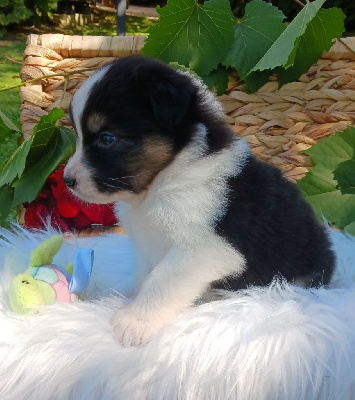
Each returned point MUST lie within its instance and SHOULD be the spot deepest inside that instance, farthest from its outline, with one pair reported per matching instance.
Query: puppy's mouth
(82, 196)
(99, 191)
(114, 185)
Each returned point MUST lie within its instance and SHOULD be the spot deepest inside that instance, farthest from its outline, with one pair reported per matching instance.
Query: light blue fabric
(83, 261)
(45, 273)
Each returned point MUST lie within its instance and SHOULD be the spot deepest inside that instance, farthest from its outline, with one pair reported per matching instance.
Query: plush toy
(44, 283)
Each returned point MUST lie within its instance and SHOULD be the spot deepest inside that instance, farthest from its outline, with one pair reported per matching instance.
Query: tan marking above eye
(95, 122)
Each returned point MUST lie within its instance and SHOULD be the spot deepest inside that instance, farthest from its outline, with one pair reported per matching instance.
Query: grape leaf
(324, 27)
(6, 123)
(9, 136)
(31, 149)
(282, 52)
(16, 164)
(299, 45)
(182, 68)
(329, 186)
(42, 134)
(26, 171)
(197, 36)
(345, 174)
(350, 228)
(60, 148)
(218, 80)
(261, 25)
(6, 196)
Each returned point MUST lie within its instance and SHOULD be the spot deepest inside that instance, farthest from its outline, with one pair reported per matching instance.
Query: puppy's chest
(151, 240)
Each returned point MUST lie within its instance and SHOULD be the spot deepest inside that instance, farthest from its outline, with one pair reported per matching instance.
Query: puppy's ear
(168, 93)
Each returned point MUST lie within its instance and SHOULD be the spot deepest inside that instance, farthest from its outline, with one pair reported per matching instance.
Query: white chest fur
(178, 253)
(181, 205)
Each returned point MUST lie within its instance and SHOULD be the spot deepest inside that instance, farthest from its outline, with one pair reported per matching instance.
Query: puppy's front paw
(132, 328)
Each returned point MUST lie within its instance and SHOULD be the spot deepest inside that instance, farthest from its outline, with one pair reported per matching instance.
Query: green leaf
(7, 129)
(32, 149)
(60, 148)
(25, 173)
(325, 26)
(6, 197)
(260, 27)
(16, 164)
(9, 136)
(194, 35)
(298, 46)
(283, 50)
(43, 132)
(183, 69)
(217, 80)
(329, 186)
(5, 121)
(345, 174)
(350, 228)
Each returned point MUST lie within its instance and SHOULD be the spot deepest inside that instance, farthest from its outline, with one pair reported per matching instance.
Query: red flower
(57, 203)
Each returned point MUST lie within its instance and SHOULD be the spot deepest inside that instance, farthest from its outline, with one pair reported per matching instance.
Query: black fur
(139, 96)
(266, 219)
(275, 230)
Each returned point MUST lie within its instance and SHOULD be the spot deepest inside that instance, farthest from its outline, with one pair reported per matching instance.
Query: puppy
(202, 212)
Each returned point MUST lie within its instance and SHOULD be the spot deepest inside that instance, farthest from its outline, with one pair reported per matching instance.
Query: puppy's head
(131, 117)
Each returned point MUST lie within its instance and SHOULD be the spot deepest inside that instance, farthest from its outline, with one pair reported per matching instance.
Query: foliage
(10, 103)
(291, 9)
(194, 35)
(348, 8)
(202, 37)
(9, 137)
(105, 25)
(12, 12)
(330, 184)
(25, 173)
(294, 48)
(41, 9)
(261, 26)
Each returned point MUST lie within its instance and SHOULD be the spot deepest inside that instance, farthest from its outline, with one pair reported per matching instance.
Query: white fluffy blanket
(276, 343)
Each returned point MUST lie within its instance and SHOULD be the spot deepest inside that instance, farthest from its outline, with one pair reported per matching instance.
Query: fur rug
(276, 343)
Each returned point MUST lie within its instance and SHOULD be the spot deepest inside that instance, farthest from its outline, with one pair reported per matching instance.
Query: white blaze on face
(84, 187)
(81, 96)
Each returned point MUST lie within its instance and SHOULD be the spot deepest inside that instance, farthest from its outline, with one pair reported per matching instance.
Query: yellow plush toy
(44, 283)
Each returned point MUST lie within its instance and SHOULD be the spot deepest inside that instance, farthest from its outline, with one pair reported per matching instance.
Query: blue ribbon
(83, 262)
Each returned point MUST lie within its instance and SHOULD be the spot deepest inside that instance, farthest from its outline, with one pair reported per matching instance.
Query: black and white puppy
(202, 212)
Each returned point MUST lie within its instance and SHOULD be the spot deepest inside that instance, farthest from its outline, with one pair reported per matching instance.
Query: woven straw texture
(277, 124)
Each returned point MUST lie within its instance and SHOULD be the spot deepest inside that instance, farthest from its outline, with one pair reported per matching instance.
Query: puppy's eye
(106, 139)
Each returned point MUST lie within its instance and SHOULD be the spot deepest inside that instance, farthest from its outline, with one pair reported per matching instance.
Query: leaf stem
(39, 78)
(299, 3)
(31, 65)
(66, 79)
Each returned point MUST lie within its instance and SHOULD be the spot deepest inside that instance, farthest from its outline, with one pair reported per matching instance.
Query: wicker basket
(277, 124)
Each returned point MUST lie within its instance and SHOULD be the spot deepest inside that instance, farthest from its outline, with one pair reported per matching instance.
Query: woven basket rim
(75, 46)
(111, 44)
(277, 123)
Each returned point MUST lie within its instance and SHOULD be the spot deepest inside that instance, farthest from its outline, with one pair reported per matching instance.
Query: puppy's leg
(181, 277)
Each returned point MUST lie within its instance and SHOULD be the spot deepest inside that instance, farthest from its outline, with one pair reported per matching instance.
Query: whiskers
(122, 177)
(120, 183)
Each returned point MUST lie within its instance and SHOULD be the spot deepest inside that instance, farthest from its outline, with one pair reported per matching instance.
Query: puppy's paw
(132, 328)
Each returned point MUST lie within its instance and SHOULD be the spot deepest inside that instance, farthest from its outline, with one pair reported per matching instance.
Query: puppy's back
(275, 229)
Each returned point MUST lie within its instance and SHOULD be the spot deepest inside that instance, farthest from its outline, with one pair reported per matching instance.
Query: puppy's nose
(69, 181)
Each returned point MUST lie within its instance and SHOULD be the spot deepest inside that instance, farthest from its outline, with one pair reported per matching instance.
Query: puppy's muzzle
(69, 181)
